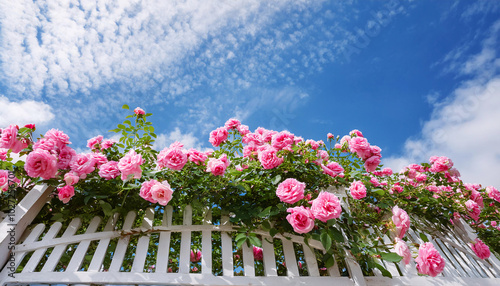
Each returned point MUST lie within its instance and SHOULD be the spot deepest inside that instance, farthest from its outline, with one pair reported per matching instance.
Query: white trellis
(42, 251)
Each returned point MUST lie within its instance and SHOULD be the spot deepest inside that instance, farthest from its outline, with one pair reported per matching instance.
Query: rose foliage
(336, 193)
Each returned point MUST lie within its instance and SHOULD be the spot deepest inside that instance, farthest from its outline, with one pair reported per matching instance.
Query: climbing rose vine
(335, 192)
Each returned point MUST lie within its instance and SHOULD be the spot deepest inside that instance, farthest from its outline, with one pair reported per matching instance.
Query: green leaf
(240, 242)
(383, 270)
(57, 216)
(379, 192)
(125, 107)
(106, 207)
(424, 237)
(265, 212)
(255, 241)
(391, 256)
(121, 126)
(241, 236)
(326, 240)
(276, 180)
(266, 225)
(127, 122)
(273, 232)
(337, 235)
(330, 261)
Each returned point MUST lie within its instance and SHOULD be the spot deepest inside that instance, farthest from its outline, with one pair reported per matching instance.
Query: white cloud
(24, 112)
(188, 139)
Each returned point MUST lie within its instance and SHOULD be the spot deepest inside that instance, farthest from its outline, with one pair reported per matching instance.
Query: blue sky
(418, 78)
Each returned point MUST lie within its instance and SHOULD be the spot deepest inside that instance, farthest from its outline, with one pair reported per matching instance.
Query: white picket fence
(44, 256)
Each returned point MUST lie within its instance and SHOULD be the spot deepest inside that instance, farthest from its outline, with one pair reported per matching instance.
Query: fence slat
(290, 259)
(143, 243)
(312, 263)
(100, 252)
(81, 250)
(227, 249)
(164, 243)
(37, 255)
(58, 250)
(121, 246)
(206, 244)
(34, 235)
(334, 270)
(248, 260)
(185, 252)
(268, 256)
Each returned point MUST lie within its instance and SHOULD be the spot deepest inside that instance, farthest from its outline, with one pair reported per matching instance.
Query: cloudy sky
(418, 78)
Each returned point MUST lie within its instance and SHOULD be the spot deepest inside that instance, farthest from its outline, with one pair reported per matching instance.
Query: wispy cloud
(24, 112)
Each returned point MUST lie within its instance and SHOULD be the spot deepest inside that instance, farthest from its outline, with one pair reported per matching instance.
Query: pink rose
(301, 219)
(474, 209)
(250, 150)
(3, 154)
(480, 249)
(70, 178)
(282, 140)
(65, 193)
(57, 136)
(493, 193)
(387, 171)
(8, 139)
(218, 136)
(232, 124)
(332, 169)
(30, 126)
(161, 193)
(46, 144)
(82, 165)
(109, 170)
(257, 253)
(440, 164)
(195, 255)
(290, 191)
(106, 144)
(401, 221)
(360, 146)
(139, 111)
(197, 157)
(99, 159)
(330, 136)
(326, 207)
(145, 191)
(173, 157)
(372, 163)
(4, 180)
(266, 135)
(314, 145)
(218, 166)
(402, 250)
(93, 142)
(269, 159)
(356, 132)
(130, 164)
(66, 154)
(358, 190)
(243, 130)
(429, 261)
(41, 163)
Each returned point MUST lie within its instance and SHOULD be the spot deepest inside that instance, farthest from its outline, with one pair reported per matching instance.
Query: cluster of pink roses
(356, 143)
(9, 140)
(156, 192)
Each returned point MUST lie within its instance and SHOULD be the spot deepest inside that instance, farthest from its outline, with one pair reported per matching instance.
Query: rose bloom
(71, 178)
(232, 123)
(250, 150)
(3, 154)
(30, 126)
(301, 219)
(218, 136)
(99, 159)
(197, 157)
(440, 164)
(145, 191)
(109, 170)
(45, 144)
(243, 130)
(92, 142)
(402, 250)
(257, 253)
(269, 158)
(387, 171)
(139, 111)
(372, 163)
(290, 191)
(218, 166)
(82, 165)
(195, 255)
(429, 261)
(330, 136)
(65, 193)
(401, 221)
(476, 196)
(8, 139)
(66, 154)
(40, 163)
(314, 145)
(161, 192)
(173, 157)
(326, 206)
(282, 140)
(493, 193)
(474, 209)
(480, 249)
(360, 146)
(130, 164)
(106, 144)
(4, 180)
(358, 190)
(58, 136)
(332, 169)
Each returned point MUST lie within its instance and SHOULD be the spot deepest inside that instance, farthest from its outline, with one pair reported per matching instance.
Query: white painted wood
(37, 255)
(226, 249)
(185, 251)
(24, 213)
(290, 259)
(248, 260)
(312, 263)
(334, 270)
(79, 255)
(58, 251)
(100, 252)
(164, 243)
(122, 244)
(268, 256)
(206, 244)
(143, 243)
